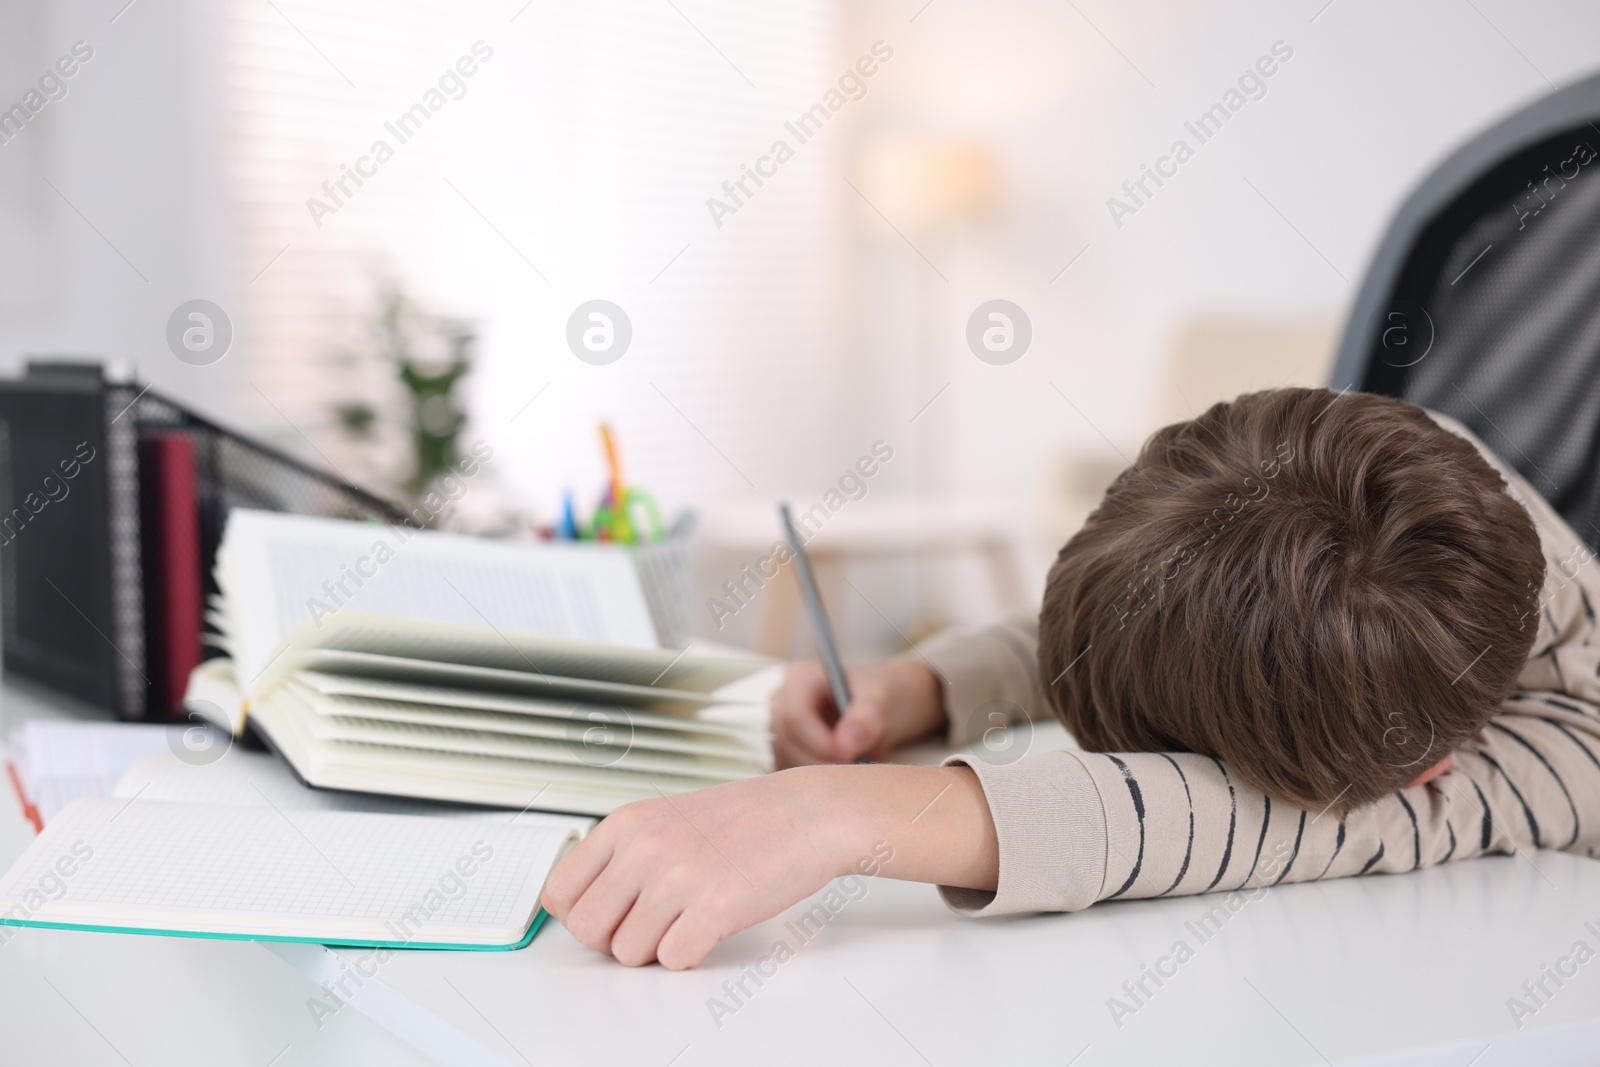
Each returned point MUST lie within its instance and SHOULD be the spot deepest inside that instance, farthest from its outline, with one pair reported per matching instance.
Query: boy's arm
(1176, 824)
(1179, 824)
(988, 676)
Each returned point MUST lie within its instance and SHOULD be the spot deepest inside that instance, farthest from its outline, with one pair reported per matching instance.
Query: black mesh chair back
(1483, 302)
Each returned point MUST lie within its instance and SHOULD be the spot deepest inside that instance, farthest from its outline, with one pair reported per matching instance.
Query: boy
(1331, 621)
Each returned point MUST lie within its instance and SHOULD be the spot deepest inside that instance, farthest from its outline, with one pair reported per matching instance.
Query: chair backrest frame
(1576, 105)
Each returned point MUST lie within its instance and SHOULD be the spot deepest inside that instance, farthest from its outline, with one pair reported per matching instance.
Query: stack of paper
(57, 762)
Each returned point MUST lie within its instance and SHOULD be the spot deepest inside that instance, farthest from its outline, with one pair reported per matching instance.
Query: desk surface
(1413, 969)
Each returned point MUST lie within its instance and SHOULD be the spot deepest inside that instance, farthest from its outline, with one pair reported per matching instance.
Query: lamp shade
(925, 184)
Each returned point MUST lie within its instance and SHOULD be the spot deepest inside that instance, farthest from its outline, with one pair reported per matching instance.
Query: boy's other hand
(891, 704)
(667, 878)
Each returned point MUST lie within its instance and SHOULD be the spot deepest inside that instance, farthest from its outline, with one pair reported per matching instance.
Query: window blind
(574, 163)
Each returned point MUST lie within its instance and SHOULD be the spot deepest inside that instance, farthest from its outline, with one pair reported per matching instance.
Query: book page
(241, 871)
(58, 762)
(467, 678)
(277, 571)
(498, 779)
(261, 780)
(464, 701)
(614, 752)
(589, 734)
(559, 659)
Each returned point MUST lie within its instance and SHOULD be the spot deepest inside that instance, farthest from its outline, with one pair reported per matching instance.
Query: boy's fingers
(801, 712)
(862, 727)
(594, 919)
(805, 688)
(576, 871)
(803, 729)
(636, 940)
(687, 942)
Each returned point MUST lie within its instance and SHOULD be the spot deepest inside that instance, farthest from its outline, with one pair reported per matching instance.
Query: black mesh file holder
(72, 587)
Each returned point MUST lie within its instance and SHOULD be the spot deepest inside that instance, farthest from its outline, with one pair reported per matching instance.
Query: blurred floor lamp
(929, 189)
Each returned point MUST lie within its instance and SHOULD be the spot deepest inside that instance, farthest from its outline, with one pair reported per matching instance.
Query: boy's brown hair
(1328, 593)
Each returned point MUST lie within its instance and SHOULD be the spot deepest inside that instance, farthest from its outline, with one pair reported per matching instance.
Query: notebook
(135, 865)
(55, 762)
(412, 663)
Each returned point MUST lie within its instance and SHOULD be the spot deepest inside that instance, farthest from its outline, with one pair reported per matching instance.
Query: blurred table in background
(863, 532)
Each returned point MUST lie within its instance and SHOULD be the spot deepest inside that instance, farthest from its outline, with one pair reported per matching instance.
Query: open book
(388, 660)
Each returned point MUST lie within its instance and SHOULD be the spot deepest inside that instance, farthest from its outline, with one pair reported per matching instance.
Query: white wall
(1374, 95)
(135, 147)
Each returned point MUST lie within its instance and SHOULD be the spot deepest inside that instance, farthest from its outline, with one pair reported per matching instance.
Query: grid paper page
(195, 866)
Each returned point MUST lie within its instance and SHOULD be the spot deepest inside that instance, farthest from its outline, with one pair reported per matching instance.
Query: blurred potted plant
(428, 357)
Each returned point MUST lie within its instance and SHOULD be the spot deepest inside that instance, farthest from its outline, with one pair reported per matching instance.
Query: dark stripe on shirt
(1416, 832)
(1376, 856)
(1488, 820)
(1525, 743)
(1451, 851)
(1300, 833)
(1338, 843)
(1233, 819)
(1527, 812)
(1266, 817)
(1138, 809)
(1577, 741)
(1188, 850)
(1564, 706)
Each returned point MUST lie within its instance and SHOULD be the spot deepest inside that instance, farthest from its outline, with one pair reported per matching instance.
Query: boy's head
(1329, 593)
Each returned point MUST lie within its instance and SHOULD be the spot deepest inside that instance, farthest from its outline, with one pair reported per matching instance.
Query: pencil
(827, 649)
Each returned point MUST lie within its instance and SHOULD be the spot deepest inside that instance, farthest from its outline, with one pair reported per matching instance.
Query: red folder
(173, 589)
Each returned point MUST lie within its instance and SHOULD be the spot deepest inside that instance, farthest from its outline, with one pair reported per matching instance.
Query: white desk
(1413, 969)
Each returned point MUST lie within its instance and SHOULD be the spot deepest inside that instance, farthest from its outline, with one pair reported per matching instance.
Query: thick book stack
(384, 659)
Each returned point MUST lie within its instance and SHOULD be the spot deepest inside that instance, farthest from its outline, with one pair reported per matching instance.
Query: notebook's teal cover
(533, 928)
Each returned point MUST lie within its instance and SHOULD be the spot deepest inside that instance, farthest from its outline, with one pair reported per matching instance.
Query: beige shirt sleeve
(1077, 827)
(989, 676)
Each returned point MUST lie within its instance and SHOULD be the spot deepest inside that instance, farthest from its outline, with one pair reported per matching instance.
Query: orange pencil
(620, 530)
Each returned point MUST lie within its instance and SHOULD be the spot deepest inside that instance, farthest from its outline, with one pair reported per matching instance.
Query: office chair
(1483, 301)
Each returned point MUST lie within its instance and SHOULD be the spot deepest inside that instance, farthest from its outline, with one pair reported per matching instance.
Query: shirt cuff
(988, 677)
(1051, 827)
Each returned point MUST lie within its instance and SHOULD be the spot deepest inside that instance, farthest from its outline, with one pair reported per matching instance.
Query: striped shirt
(1078, 827)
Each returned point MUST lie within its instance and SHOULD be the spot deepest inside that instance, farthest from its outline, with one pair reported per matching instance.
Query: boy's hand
(667, 878)
(891, 704)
